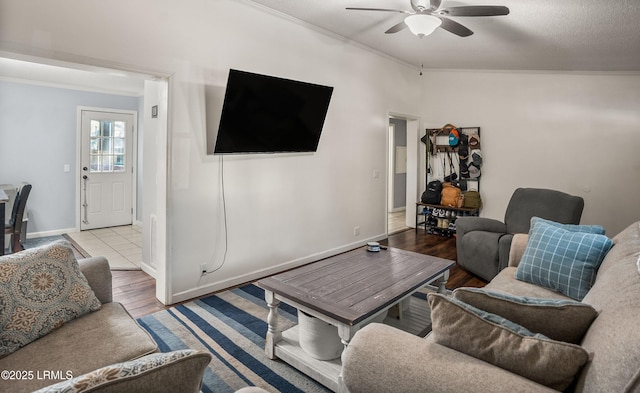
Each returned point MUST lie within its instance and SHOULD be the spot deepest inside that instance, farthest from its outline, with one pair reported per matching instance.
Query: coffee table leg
(442, 282)
(345, 332)
(273, 333)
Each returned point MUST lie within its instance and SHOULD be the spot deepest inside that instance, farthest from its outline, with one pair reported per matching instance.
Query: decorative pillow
(561, 259)
(503, 343)
(562, 320)
(40, 290)
(594, 229)
(142, 372)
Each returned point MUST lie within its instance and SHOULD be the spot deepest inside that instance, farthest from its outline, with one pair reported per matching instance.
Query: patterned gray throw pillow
(40, 290)
(183, 368)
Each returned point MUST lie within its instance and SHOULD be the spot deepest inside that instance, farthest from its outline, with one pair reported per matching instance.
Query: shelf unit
(440, 220)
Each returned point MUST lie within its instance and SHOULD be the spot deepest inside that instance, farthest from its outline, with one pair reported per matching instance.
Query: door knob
(84, 168)
(85, 177)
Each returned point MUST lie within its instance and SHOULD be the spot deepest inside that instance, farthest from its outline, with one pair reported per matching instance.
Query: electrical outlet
(356, 231)
(203, 268)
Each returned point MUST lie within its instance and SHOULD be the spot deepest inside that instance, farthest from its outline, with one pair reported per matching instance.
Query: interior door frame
(134, 159)
(414, 163)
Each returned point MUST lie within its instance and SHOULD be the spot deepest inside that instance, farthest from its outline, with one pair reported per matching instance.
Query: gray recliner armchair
(483, 243)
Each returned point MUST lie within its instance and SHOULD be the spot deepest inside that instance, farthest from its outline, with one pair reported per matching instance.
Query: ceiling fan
(428, 16)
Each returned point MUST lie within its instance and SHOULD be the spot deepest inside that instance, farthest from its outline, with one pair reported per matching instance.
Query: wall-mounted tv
(266, 114)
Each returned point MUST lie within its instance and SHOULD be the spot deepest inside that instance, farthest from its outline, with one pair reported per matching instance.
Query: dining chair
(14, 225)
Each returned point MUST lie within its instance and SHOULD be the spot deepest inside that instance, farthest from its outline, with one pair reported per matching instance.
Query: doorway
(403, 163)
(397, 189)
(107, 156)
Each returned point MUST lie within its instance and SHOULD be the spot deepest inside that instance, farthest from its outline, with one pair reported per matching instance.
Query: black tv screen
(266, 114)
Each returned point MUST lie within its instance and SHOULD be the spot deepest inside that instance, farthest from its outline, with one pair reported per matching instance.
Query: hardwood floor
(136, 290)
(438, 246)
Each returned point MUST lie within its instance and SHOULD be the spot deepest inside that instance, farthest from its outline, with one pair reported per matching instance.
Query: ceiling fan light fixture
(422, 24)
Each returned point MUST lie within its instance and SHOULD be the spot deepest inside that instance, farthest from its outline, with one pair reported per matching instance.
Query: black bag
(433, 193)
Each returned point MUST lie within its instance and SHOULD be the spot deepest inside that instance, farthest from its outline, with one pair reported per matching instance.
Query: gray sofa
(383, 359)
(96, 340)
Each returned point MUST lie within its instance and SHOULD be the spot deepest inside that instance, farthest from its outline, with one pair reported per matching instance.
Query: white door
(107, 169)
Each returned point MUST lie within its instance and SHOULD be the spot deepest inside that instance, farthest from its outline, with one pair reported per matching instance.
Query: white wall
(577, 133)
(281, 210)
(287, 209)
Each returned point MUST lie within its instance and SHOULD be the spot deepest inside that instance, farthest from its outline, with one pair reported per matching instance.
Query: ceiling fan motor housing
(422, 5)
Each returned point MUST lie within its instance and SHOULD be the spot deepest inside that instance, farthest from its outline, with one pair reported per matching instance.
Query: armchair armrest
(518, 245)
(468, 224)
(381, 359)
(98, 273)
(504, 249)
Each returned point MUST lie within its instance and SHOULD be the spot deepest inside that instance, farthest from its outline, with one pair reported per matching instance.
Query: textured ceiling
(567, 35)
(553, 35)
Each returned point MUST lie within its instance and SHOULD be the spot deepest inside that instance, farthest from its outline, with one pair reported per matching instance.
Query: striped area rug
(232, 326)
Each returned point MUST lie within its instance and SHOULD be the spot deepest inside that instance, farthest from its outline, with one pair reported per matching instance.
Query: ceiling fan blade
(378, 9)
(396, 28)
(454, 27)
(476, 10)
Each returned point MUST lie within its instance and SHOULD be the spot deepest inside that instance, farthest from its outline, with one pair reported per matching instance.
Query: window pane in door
(95, 163)
(107, 163)
(107, 128)
(95, 145)
(118, 163)
(118, 146)
(95, 128)
(119, 129)
(108, 146)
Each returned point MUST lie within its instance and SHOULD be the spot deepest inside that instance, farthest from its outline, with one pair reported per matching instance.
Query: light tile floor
(396, 222)
(122, 246)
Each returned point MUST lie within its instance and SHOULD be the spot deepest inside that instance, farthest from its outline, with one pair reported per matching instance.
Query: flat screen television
(266, 114)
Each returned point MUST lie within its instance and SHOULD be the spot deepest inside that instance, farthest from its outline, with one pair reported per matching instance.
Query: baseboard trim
(266, 272)
(34, 235)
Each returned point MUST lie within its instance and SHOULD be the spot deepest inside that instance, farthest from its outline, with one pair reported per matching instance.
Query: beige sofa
(383, 359)
(96, 340)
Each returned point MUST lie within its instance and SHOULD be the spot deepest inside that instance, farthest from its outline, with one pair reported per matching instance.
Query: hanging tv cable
(224, 215)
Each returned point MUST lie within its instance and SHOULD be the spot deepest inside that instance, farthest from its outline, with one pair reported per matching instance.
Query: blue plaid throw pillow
(595, 229)
(559, 258)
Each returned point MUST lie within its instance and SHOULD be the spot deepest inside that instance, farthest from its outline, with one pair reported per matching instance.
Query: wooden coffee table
(347, 291)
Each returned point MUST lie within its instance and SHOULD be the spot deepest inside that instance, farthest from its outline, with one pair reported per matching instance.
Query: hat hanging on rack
(476, 156)
(474, 141)
(474, 171)
(464, 169)
(463, 153)
(454, 137)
